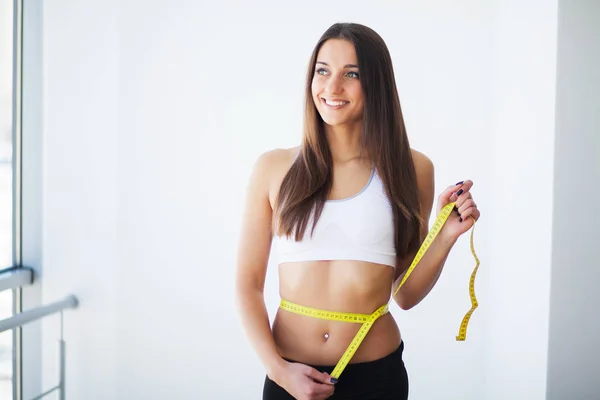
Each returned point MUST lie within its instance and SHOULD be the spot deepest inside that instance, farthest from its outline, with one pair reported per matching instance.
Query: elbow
(406, 305)
(245, 291)
(406, 302)
(241, 301)
(240, 294)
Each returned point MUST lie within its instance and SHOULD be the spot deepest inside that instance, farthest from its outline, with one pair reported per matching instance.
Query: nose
(334, 85)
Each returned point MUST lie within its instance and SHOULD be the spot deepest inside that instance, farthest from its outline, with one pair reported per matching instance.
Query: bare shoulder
(275, 163)
(276, 159)
(271, 167)
(423, 164)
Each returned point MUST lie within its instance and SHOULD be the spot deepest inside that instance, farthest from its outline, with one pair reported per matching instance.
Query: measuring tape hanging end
(462, 332)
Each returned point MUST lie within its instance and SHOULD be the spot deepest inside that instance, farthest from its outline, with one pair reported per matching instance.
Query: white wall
(574, 345)
(516, 303)
(80, 193)
(153, 116)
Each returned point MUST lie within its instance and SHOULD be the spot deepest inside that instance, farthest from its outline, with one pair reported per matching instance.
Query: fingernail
(460, 183)
(333, 380)
(460, 219)
(459, 192)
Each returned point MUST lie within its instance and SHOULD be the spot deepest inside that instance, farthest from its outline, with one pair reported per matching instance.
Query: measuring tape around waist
(367, 320)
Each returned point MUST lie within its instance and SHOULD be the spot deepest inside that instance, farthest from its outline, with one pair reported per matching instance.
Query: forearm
(255, 321)
(426, 274)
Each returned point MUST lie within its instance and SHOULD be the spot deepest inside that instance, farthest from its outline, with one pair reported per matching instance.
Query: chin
(338, 121)
(333, 121)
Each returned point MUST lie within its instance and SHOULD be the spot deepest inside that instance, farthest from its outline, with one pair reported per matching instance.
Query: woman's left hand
(460, 221)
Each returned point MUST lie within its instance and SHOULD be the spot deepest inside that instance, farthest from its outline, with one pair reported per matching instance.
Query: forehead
(337, 53)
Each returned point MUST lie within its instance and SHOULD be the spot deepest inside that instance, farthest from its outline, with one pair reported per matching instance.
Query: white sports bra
(360, 227)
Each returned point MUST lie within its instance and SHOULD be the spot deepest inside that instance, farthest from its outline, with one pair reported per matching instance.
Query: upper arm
(426, 185)
(256, 234)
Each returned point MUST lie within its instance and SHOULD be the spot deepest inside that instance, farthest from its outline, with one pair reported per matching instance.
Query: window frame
(17, 164)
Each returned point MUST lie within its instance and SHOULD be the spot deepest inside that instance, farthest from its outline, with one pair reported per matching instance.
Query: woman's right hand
(306, 383)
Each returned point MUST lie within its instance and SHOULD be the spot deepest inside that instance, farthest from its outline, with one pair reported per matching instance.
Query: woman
(347, 210)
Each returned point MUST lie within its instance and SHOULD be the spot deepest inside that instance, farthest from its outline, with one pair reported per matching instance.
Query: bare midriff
(343, 286)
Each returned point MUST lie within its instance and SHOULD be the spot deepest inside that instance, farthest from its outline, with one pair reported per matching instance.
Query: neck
(344, 142)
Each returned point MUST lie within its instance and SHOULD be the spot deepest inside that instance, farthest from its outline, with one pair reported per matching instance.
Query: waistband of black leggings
(390, 358)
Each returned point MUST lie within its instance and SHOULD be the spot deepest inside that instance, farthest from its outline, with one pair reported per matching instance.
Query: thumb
(321, 377)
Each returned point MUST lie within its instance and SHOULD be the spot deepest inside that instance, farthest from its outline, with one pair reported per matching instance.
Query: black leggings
(383, 379)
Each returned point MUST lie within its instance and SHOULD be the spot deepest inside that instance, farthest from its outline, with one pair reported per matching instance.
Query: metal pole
(37, 313)
(17, 234)
(61, 367)
(61, 372)
(62, 360)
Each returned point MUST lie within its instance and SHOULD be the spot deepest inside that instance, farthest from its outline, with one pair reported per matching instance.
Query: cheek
(315, 88)
(358, 97)
(357, 92)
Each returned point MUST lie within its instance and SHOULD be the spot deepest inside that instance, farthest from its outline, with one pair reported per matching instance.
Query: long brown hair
(308, 182)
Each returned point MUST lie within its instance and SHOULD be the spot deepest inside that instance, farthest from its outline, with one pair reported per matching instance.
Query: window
(6, 188)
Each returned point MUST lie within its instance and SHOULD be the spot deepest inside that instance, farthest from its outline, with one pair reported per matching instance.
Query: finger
(470, 212)
(462, 197)
(329, 393)
(452, 193)
(465, 205)
(467, 185)
(319, 390)
(320, 377)
(446, 196)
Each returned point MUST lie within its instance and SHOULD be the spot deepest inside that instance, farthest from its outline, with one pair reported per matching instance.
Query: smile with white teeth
(333, 103)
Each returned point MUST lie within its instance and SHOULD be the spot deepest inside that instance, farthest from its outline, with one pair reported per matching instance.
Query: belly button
(326, 336)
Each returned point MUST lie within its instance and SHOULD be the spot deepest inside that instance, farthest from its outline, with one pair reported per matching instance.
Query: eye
(321, 71)
(353, 74)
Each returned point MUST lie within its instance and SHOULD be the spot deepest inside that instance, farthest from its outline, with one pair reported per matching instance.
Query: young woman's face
(336, 89)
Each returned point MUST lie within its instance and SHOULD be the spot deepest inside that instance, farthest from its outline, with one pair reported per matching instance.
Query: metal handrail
(40, 312)
(37, 313)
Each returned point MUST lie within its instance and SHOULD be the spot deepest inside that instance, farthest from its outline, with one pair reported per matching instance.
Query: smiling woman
(336, 89)
(347, 211)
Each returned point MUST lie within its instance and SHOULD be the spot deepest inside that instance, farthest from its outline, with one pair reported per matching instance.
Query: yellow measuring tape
(367, 320)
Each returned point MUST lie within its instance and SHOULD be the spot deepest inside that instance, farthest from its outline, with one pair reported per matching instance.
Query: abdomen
(344, 286)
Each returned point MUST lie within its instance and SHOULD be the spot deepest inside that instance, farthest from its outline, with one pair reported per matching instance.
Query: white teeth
(335, 103)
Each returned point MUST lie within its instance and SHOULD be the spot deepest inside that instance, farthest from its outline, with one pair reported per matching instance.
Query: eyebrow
(345, 66)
